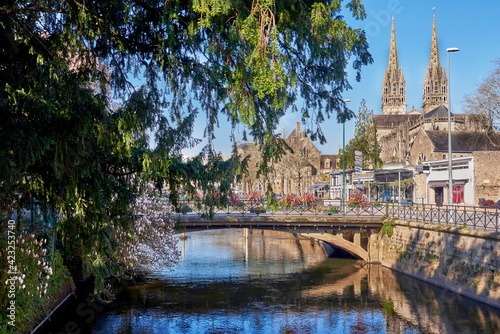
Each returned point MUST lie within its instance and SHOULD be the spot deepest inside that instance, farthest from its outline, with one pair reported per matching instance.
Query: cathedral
(398, 128)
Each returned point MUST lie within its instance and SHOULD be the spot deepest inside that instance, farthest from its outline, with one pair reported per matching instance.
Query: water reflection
(240, 281)
(225, 255)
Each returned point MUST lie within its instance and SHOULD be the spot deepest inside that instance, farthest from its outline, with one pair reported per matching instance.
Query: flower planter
(184, 209)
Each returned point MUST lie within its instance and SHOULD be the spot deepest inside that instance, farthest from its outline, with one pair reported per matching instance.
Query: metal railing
(459, 216)
(245, 207)
(456, 215)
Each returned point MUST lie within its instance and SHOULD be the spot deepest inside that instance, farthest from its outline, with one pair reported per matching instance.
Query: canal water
(254, 281)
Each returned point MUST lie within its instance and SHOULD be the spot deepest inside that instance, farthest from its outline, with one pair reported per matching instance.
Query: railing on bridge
(456, 215)
(245, 207)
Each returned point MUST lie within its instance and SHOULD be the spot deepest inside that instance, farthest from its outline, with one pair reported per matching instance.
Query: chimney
(297, 128)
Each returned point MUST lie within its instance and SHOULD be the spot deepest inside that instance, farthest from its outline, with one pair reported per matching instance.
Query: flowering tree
(41, 277)
(148, 242)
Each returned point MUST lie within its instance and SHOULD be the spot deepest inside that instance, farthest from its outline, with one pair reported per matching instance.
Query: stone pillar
(357, 238)
(373, 248)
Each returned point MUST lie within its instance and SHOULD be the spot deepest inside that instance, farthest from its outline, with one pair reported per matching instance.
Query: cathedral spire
(394, 86)
(393, 52)
(435, 81)
(434, 57)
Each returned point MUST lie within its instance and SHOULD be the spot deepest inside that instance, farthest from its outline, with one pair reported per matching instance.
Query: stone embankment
(463, 260)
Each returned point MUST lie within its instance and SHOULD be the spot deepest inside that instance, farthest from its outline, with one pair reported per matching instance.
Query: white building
(463, 181)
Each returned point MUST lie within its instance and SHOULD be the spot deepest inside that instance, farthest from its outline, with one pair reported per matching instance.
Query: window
(421, 158)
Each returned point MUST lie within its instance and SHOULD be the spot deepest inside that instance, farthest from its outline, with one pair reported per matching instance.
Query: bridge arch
(335, 241)
(338, 241)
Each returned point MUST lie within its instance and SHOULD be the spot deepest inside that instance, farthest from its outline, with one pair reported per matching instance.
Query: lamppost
(450, 178)
(343, 160)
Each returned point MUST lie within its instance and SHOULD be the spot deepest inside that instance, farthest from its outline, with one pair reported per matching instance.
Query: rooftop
(463, 141)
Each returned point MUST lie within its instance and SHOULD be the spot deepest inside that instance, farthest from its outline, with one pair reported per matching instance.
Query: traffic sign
(358, 161)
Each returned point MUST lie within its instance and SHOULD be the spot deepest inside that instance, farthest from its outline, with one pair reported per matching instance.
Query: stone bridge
(327, 229)
(350, 230)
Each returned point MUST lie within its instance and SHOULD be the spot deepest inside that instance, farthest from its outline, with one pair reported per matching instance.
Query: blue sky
(473, 27)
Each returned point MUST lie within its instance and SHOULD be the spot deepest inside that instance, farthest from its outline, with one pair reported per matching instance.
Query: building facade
(297, 172)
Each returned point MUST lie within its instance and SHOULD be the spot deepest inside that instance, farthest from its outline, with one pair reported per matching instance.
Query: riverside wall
(463, 260)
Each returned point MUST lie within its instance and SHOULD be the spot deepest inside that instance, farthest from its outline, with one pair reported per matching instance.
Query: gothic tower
(435, 81)
(393, 87)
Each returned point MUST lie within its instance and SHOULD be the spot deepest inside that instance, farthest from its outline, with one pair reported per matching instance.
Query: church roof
(332, 157)
(246, 146)
(462, 141)
(440, 112)
(394, 120)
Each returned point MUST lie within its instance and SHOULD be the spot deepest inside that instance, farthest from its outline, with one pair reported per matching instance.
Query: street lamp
(450, 178)
(343, 160)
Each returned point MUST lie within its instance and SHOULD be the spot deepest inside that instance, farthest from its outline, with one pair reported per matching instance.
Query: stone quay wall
(463, 260)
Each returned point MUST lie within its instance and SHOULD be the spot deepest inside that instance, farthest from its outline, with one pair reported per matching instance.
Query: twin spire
(435, 81)
(394, 87)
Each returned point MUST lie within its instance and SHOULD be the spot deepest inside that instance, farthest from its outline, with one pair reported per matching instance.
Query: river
(254, 281)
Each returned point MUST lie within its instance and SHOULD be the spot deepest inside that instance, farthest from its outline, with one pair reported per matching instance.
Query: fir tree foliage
(365, 141)
(64, 64)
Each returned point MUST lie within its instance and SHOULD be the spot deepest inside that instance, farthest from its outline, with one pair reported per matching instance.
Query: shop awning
(444, 183)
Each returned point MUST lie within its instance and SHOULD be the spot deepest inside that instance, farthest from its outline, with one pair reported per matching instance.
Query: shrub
(259, 208)
(332, 209)
(255, 196)
(289, 200)
(39, 282)
(488, 203)
(235, 200)
(357, 200)
(198, 196)
(307, 199)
